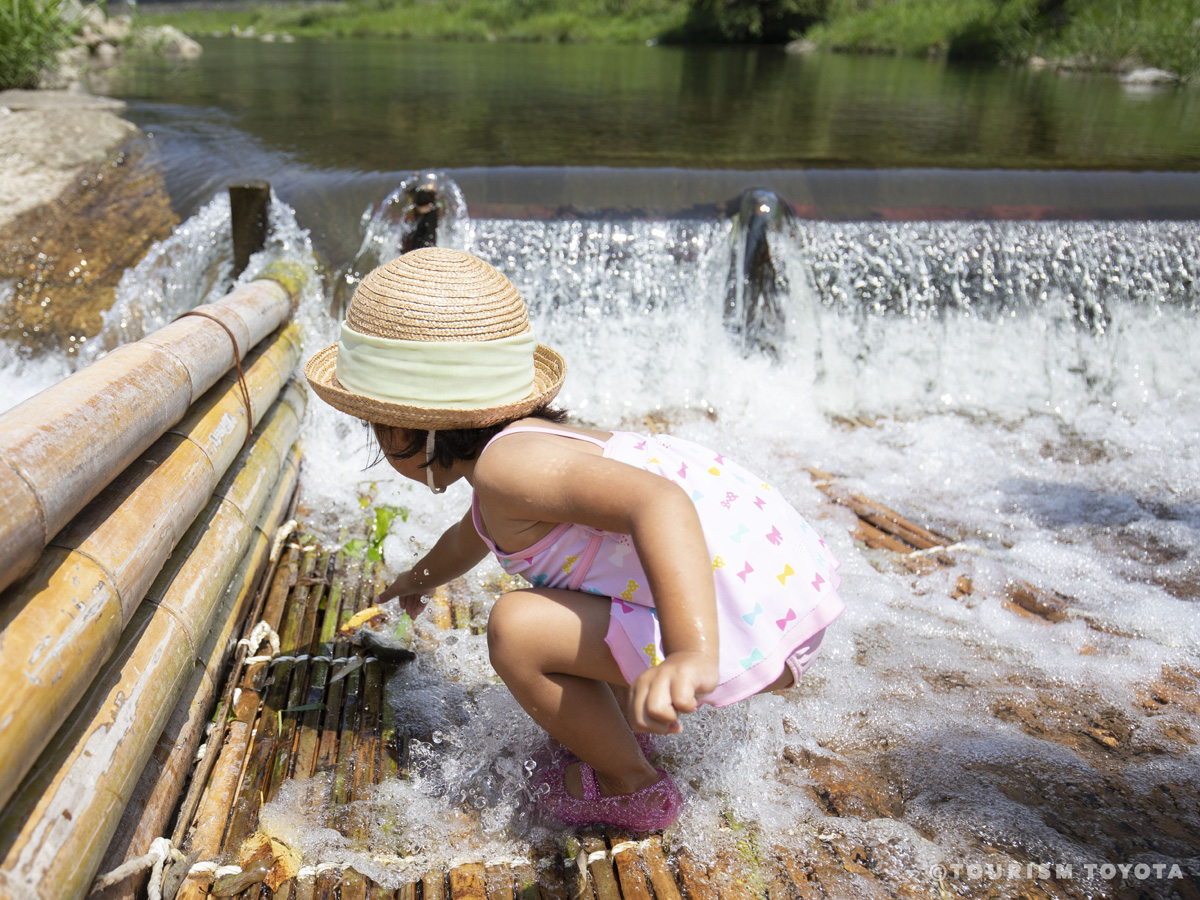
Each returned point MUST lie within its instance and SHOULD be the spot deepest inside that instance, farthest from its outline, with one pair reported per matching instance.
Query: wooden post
(248, 207)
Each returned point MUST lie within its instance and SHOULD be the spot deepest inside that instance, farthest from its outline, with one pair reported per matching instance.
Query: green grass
(598, 21)
(1102, 34)
(1105, 34)
(31, 34)
(968, 28)
(1115, 34)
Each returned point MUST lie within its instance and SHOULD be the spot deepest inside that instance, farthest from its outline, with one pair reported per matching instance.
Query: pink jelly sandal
(652, 808)
(552, 751)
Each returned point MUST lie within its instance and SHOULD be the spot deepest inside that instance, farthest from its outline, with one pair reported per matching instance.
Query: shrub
(31, 34)
(751, 21)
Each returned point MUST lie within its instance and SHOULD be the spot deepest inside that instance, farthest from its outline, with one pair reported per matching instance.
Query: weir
(960, 407)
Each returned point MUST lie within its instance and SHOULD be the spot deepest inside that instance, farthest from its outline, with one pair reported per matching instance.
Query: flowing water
(1026, 388)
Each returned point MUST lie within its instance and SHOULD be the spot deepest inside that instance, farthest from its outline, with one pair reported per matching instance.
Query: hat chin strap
(429, 464)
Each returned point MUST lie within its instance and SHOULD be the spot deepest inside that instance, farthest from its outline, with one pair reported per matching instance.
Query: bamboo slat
(604, 879)
(499, 882)
(660, 875)
(694, 879)
(158, 790)
(630, 873)
(467, 882)
(54, 832)
(433, 886)
(61, 447)
(72, 607)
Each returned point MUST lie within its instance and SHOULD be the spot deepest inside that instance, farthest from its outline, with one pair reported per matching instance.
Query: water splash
(426, 209)
(192, 267)
(1027, 387)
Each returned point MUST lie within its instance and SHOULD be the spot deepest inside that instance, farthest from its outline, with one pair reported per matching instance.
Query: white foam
(1032, 393)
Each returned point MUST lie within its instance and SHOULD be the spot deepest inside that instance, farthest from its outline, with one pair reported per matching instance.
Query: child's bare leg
(548, 646)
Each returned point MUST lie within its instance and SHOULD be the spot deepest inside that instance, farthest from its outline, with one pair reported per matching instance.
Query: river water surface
(1028, 388)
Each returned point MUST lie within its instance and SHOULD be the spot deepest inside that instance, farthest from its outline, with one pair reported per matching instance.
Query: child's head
(436, 340)
(449, 445)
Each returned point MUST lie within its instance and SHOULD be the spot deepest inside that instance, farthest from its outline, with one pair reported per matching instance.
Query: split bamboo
(55, 830)
(161, 783)
(60, 448)
(62, 621)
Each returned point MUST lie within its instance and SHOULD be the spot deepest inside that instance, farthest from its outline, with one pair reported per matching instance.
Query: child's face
(391, 441)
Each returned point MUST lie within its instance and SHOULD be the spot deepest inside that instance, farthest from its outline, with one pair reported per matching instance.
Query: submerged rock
(77, 208)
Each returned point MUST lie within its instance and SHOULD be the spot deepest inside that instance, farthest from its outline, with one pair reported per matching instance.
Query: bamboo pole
(694, 878)
(60, 623)
(61, 447)
(631, 874)
(433, 885)
(467, 882)
(157, 791)
(660, 875)
(54, 832)
(604, 879)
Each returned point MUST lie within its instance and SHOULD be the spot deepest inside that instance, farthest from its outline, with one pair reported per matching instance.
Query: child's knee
(508, 627)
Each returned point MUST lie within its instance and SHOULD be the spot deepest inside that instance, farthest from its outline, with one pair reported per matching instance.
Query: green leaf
(304, 707)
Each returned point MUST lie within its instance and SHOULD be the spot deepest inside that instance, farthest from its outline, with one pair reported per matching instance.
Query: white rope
(281, 535)
(938, 548)
(304, 657)
(154, 859)
(259, 633)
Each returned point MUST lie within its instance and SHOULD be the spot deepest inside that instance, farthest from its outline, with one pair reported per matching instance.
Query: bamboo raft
(163, 578)
(316, 708)
(138, 497)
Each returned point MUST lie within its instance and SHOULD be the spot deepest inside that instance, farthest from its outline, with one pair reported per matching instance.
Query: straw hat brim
(549, 370)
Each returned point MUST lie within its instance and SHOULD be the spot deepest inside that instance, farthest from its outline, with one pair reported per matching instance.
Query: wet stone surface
(61, 262)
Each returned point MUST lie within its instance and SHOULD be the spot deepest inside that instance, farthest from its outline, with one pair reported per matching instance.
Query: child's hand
(411, 601)
(662, 692)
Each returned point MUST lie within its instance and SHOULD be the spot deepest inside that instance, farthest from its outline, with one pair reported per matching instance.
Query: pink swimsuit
(776, 581)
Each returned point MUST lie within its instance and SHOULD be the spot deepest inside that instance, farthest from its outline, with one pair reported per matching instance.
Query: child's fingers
(658, 696)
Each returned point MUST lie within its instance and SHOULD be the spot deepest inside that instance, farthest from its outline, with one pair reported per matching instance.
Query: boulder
(1148, 75)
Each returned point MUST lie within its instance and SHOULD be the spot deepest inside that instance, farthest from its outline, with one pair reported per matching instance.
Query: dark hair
(455, 444)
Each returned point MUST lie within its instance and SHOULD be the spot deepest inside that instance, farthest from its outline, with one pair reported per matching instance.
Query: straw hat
(436, 339)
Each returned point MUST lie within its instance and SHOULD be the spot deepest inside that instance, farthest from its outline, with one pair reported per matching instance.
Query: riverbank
(1103, 35)
(80, 202)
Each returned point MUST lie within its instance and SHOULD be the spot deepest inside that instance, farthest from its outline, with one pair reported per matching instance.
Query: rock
(20, 101)
(105, 54)
(1147, 76)
(1036, 62)
(169, 41)
(801, 46)
(116, 30)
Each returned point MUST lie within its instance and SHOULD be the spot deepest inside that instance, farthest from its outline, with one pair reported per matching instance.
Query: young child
(663, 574)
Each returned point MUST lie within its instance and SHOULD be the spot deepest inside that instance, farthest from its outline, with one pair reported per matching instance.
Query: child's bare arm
(456, 552)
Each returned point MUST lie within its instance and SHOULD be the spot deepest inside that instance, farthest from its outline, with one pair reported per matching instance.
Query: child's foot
(552, 751)
(652, 808)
